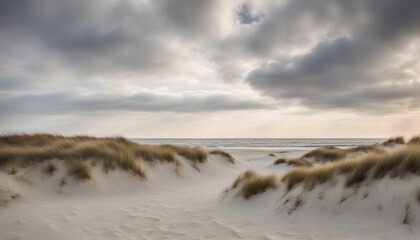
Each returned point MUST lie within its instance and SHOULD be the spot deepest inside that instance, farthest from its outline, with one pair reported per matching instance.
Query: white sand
(191, 205)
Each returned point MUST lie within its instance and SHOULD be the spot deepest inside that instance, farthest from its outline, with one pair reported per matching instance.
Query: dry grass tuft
(224, 154)
(318, 176)
(279, 161)
(271, 155)
(418, 194)
(365, 149)
(112, 152)
(294, 178)
(252, 183)
(407, 215)
(375, 165)
(394, 140)
(299, 162)
(296, 162)
(50, 168)
(196, 155)
(13, 171)
(332, 154)
(360, 171)
(414, 140)
(326, 154)
(80, 169)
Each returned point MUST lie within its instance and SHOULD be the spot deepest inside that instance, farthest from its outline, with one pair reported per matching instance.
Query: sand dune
(184, 203)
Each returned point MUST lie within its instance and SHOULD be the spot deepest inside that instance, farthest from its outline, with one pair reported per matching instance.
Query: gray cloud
(246, 16)
(321, 54)
(75, 101)
(100, 38)
(354, 71)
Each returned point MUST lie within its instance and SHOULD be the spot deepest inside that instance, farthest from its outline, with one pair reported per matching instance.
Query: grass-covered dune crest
(399, 163)
(379, 185)
(224, 154)
(118, 152)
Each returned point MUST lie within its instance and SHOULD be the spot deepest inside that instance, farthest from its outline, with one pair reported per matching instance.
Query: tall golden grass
(414, 140)
(112, 152)
(394, 140)
(331, 153)
(296, 162)
(251, 183)
(374, 165)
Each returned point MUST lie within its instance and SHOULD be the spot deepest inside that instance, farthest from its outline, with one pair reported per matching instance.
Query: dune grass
(326, 154)
(223, 154)
(279, 161)
(331, 153)
(80, 169)
(50, 168)
(251, 183)
(299, 162)
(414, 140)
(394, 140)
(374, 166)
(116, 152)
(296, 162)
(195, 154)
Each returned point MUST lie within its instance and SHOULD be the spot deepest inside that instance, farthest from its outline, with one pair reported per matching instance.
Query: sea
(261, 143)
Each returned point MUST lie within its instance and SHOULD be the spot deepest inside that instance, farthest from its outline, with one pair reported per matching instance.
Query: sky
(201, 68)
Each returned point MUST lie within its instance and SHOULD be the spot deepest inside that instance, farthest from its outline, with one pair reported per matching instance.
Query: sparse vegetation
(407, 215)
(377, 165)
(224, 154)
(394, 140)
(299, 162)
(13, 171)
(271, 155)
(331, 153)
(326, 154)
(418, 195)
(50, 168)
(196, 155)
(116, 152)
(414, 140)
(251, 183)
(80, 169)
(279, 161)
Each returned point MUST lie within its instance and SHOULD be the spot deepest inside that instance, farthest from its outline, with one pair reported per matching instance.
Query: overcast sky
(196, 68)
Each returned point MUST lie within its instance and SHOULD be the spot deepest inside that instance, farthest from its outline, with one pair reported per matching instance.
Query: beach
(183, 204)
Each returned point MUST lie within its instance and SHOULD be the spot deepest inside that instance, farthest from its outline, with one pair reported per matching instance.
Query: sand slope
(184, 205)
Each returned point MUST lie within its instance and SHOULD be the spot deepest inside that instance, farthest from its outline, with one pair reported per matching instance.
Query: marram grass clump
(296, 162)
(326, 154)
(50, 168)
(373, 166)
(195, 154)
(224, 154)
(279, 161)
(414, 140)
(24, 150)
(80, 169)
(332, 154)
(394, 140)
(251, 183)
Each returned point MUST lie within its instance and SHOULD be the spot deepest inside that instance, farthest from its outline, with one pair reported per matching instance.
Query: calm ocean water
(262, 143)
